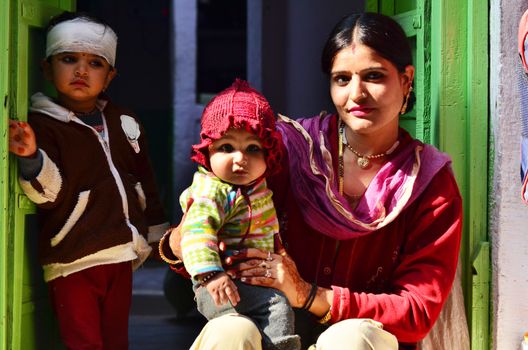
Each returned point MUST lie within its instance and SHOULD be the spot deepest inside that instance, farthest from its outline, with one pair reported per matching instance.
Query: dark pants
(92, 306)
(267, 307)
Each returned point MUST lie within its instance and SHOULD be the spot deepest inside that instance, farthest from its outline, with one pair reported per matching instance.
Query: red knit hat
(240, 107)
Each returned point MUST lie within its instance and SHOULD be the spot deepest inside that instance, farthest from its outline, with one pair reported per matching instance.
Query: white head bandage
(82, 35)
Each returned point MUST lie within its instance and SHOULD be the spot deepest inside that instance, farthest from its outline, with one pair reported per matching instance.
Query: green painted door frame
(26, 321)
(462, 74)
(4, 183)
(450, 39)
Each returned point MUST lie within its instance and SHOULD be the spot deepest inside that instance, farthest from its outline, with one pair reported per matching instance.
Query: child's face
(237, 157)
(79, 78)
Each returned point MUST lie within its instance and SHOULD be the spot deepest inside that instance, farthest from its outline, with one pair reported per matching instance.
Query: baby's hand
(22, 141)
(222, 289)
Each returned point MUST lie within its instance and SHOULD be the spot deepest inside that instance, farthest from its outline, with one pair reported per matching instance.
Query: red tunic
(399, 275)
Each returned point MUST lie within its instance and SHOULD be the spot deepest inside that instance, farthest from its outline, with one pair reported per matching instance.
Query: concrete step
(154, 323)
(160, 333)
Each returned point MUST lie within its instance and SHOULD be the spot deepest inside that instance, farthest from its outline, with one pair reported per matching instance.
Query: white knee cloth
(356, 334)
(237, 332)
(232, 331)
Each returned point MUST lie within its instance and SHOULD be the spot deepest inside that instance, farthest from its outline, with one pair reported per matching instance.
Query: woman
(371, 219)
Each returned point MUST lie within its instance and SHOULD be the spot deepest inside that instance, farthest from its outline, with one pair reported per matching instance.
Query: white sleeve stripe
(49, 178)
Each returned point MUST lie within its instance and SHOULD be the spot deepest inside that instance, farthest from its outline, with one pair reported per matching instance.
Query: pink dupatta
(398, 183)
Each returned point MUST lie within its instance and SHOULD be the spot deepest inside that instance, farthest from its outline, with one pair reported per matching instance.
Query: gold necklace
(352, 199)
(363, 161)
(340, 155)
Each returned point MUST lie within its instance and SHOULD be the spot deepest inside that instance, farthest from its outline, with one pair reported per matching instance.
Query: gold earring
(404, 107)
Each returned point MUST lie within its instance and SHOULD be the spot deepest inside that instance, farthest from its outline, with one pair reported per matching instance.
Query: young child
(229, 201)
(84, 162)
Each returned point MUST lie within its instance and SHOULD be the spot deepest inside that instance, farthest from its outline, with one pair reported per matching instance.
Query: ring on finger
(269, 258)
(267, 274)
(265, 265)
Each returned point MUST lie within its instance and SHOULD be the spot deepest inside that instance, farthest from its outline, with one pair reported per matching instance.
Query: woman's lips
(360, 111)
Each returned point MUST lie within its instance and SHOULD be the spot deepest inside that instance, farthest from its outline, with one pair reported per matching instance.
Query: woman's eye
(374, 76)
(254, 149)
(341, 80)
(226, 148)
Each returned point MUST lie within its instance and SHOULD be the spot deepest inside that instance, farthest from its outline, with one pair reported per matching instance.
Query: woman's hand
(222, 289)
(175, 235)
(175, 241)
(260, 268)
(22, 141)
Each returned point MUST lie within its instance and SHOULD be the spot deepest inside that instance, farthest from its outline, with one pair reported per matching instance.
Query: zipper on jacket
(119, 182)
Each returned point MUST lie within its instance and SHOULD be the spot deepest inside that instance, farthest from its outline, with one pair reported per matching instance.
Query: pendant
(363, 162)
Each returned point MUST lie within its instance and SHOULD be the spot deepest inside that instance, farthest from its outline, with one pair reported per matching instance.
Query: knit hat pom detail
(240, 107)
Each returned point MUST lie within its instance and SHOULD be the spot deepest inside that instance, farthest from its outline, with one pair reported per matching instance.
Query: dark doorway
(143, 81)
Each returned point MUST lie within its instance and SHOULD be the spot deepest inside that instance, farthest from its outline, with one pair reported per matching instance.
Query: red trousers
(92, 307)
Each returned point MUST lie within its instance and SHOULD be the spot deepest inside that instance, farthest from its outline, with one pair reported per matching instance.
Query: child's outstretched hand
(222, 289)
(22, 141)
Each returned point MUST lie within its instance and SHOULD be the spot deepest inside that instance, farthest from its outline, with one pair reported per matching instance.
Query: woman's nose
(357, 91)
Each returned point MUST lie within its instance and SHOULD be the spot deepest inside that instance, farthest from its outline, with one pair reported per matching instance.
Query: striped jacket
(220, 212)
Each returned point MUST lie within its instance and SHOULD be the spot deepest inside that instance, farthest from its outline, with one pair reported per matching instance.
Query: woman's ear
(408, 76)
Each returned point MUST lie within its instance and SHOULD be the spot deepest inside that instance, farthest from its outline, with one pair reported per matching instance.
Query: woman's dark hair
(379, 32)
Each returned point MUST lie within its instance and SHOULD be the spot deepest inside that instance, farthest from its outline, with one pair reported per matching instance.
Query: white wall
(186, 129)
(508, 216)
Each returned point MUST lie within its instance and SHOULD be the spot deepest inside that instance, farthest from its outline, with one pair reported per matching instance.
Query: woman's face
(367, 90)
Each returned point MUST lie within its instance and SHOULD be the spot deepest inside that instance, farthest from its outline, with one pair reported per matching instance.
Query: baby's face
(237, 157)
(79, 78)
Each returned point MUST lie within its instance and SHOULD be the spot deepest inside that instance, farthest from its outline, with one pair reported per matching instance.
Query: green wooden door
(450, 42)
(27, 321)
(4, 183)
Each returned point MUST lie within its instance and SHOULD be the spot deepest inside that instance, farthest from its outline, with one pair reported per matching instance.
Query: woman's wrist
(165, 250)
(310, 297)
(322, 304)
(302, 292)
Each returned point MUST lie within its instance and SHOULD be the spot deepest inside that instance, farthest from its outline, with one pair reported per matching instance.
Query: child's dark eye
(68, 59)
(253, 149)
(96, 63)
(226, 147)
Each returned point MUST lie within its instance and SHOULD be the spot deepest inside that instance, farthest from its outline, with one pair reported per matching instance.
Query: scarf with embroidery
(397, 184)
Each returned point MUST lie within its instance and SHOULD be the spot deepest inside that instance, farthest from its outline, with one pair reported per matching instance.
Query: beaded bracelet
(310, 298)
(203, 280)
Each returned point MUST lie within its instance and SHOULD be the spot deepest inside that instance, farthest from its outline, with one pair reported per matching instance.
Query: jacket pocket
(75, 215)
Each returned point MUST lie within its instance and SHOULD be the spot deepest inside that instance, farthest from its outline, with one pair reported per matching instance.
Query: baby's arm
(221, 288)
(22, 140)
